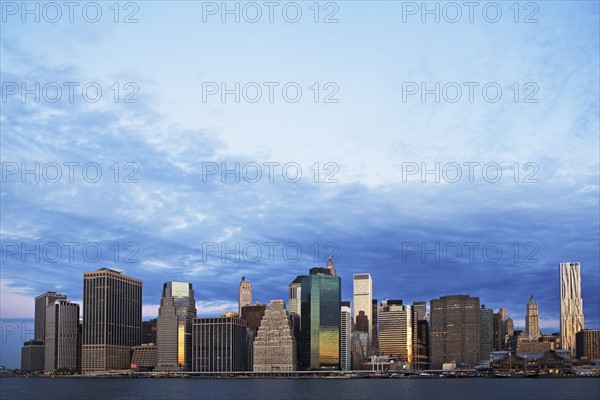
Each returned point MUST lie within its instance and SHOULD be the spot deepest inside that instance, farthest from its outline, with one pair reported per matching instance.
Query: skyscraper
(218, 344)
(486, 334)
(455, 331)
(500, 325)
(245, 295)
(345, 337)
(571, 305)
(112, 319)
(294, 295)
(62, 336)
(41, 302)
(320, 326)
(398, 331)
(363, 298)
(421, 354)
(588, 344)
(532, 319)
(421, 308)
(275, 345)
(174, 327)
(252, 315)
(362, 323)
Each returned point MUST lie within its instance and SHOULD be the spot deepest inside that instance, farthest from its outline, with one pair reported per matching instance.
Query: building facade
(320, 325)
(345, 338)
(275, 345)
(174, 327)
(218, 344)
(571, 305)
(32, 356)
(41, 302)
(253, 315)
(244, 295)
(62, 336)
(486, 334)
(363, 298)
(532, 319)
(294, 295)
(112, 319)
(398, 331)
(455, 331)
(588, 344)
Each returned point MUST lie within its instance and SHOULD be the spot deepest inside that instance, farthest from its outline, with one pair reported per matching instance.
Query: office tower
(275, 345)
(32, 356)
(245, 295)
(421, 308)
(174, 327)
(363, 297)
(218, 344)
(362, 322)
(321, 298)
(454, 331)
(374, 328)
(532, 319)
(588, 344)
(345, 337)
(397, 331)
(360, 349)
(294, 295)
(500, 334)
(62, 336)
(571, 305)
(41, 302)
(330, 267)
(486, 334)
(253, 315)
(149, 331)
(112, 319)
(421, 354)
(143, 358)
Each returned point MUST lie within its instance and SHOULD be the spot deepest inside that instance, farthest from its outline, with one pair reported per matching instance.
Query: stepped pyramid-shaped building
(275, 345)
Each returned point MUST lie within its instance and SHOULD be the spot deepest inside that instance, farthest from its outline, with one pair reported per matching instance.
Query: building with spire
(331, 267)
(532, 320)
(571, 305)
(245, 295)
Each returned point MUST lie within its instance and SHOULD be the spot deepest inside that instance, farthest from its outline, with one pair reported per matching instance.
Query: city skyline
(328, 269)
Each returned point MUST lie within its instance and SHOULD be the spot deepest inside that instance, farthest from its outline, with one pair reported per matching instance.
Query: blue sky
(373, 219)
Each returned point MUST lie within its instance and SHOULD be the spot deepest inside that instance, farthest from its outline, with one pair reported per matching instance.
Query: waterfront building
(275, 345)
(571, 305)
(41, 303)
(253, 315)
(397, 331)
(363, 299)
(143, 358)
(345, 337)
(320, 326)
(32, 356)
(360, 349)
(455, 331)
(112, 319)
(62, 336)
(219, 344)
(486, 334)
(588, 344)
(174, 327)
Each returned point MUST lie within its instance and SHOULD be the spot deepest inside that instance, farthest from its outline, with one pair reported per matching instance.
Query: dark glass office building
(321, 298)
(218, 344)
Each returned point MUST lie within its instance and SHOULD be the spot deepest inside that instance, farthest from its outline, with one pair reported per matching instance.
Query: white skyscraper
(363, 298)
(571, 305)
(345, 339)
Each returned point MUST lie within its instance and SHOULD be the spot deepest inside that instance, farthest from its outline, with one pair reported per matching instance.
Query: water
(232, 389)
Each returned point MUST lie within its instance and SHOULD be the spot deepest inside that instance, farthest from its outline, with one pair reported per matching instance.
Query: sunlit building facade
(174, 327)
(321, 298)
(362, 285)
(571, 305)
(244, 295)
(532, 319)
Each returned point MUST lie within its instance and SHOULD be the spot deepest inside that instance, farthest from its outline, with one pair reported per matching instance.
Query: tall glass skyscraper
(321, 298)
(571, 305)
(174, 327)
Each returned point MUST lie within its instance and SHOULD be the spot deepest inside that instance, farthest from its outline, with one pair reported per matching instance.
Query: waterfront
(414, 389)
